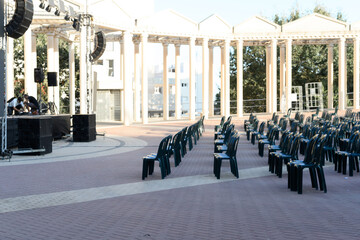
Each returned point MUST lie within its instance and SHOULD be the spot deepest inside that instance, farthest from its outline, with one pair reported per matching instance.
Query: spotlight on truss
(42, 5)
(67, 17)
(48, 8)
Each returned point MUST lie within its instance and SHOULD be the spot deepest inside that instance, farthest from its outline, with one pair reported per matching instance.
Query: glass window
(111, 68)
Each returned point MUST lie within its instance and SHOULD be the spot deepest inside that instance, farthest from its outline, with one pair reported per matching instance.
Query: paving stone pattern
(101, 196)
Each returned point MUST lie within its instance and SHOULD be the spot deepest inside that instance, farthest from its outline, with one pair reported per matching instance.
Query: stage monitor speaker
(36, 133)
(38, 75)
(84, 127)
(21, 19)
(52, 79)
(100, 45)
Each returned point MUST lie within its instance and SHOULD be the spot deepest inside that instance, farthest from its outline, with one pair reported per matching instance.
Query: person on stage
(15, 105)
(31, 104)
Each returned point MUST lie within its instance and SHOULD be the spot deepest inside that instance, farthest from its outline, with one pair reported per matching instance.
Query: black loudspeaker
(100, 45)
(21, 19)
(38, 75)
(35, 133)
(84, 127)
(52, 79)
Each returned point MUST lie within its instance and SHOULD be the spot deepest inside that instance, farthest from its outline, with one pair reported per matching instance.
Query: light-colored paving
(92, 194)
(67, 150)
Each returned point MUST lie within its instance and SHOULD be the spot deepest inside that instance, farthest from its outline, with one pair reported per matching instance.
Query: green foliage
(41, 52)
(309, 64)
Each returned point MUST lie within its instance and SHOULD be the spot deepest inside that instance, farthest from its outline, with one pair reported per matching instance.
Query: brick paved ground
(114, 203)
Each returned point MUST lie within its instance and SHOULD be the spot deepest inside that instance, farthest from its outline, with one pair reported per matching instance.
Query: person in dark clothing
(16, 105)
(31, 104)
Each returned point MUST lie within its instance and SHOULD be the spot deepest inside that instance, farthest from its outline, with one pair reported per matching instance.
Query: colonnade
(135, 105)
(30, 62)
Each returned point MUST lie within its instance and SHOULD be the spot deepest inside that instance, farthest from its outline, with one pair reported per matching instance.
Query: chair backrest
(295, 146)
(289, 112)
(293, 127)
(286, 147)
(163, 147)
(284, 125)
(232, 145)
(297, 116)
(276, 119)
(261, 128)
(222, 121)
(272, 135)
(177, 139)
(309, 149)
(283, 138)
(318, 149)
(228, 132)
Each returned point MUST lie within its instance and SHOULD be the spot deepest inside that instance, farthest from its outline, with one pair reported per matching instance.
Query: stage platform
(37, 131)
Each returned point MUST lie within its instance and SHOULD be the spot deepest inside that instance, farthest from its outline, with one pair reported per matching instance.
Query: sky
(237, 11)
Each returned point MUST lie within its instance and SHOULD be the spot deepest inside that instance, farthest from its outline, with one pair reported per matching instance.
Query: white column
(222, 84)
(34, 60)
(330, 82)
(342, 103)
(30, 85)
(274, 75)
(227, 77)
(122, 102)
(192, 78)
(50, 61)
(211, 81)
(57, 70)
(10, 68)
(268, 82)
(177, 83)
(137, 82)
(144, 78)
(345, 73)
(282, 79)
(83, 72)
(72, 77)
(128, 93)
(288, 74)
(239, 77)
(205, 77)
(356, 72)
(165, 91)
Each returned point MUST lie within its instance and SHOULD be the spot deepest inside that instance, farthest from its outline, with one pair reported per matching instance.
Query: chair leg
(322, 181)
(151, 167)
(314, 183)
(145, 169)
(344, 163)
(351, 165)
(293, 179)
(299, 179)
(218, 168)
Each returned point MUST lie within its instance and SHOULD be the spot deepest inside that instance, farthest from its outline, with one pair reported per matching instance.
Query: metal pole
(3, 107)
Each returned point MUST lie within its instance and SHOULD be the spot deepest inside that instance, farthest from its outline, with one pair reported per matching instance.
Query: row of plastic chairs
(173, 145)
(226, 141)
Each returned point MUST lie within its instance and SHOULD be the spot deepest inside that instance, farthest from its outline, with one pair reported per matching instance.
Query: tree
(309, 64)
(41, 52)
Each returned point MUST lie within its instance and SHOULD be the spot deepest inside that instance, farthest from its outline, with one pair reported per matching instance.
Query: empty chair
(160, 156)
(312, 163)
(229, 155)
(225, 140)
(260, 132)
(269, 140)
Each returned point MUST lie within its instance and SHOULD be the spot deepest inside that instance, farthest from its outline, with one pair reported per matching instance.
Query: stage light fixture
(76, 24)
(57, 12)
(48, 8)
(42, 5)
(67, 17)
